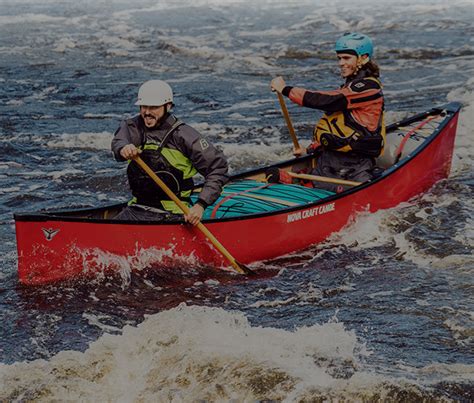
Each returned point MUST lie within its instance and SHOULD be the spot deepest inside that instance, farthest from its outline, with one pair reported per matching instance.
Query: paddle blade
(245, 269)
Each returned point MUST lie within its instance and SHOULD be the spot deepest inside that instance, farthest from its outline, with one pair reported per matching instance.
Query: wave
(191, 352)
(30, 18)
(88, 141)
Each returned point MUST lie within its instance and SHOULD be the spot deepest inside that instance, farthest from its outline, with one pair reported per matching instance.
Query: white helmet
(154, 93)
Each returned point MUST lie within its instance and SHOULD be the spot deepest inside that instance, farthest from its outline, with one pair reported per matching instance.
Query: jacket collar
(362, 73)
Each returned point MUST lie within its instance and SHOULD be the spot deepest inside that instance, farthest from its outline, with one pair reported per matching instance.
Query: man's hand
(195, 214)
(278, 84)
(129, 151)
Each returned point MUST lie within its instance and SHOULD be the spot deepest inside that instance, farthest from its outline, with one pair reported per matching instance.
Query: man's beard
(157, 120)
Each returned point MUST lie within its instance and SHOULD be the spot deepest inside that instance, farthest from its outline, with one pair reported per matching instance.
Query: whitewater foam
(205, 353)
(90, 141)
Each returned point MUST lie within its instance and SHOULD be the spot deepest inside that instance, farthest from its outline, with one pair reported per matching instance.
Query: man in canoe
(351, 133)
(174, 151)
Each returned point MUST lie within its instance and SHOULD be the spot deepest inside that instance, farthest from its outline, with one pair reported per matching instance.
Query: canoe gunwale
(70, 215)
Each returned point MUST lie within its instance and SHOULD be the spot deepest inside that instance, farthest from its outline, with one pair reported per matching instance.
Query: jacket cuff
(202, 203)
(286, 91)
(118, 156)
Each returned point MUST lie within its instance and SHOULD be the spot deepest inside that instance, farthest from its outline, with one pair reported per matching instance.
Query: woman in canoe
(351, 133)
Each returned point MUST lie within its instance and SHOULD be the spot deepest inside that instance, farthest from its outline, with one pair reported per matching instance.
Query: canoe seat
(392, 141)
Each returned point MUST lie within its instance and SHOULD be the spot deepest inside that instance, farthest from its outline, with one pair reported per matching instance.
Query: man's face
(347, 64)
(152, 114)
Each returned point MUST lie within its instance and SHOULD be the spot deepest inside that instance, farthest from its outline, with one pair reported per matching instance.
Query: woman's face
(347, 64)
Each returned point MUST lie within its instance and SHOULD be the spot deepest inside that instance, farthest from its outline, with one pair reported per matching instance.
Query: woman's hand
(298, 152)
(278, 84)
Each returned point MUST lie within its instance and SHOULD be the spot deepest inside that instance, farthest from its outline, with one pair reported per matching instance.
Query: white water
(364, 334)
(194, 353)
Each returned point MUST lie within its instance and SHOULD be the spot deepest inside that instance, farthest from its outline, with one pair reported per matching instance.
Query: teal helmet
(354, 43)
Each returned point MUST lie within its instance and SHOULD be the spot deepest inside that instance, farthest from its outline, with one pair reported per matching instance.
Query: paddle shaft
(324, 179)
(286, 115)
(185, 210)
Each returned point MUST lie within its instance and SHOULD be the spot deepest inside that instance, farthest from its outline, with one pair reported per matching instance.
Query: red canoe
(257, 223)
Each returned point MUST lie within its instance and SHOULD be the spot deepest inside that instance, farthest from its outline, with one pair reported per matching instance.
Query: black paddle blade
(247, 271)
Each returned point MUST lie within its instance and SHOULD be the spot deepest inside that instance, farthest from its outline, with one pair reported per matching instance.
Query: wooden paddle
(239, 267)
(324, 179)
(297, 147)
(286, 115)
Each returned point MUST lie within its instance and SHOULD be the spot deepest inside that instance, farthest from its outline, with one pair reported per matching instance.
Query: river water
(381, 311)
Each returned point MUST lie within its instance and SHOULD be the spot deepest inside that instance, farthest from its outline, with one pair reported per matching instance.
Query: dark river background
(382, 311)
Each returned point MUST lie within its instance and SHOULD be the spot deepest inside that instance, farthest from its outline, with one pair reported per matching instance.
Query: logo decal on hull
(315, 211)
(49, 233)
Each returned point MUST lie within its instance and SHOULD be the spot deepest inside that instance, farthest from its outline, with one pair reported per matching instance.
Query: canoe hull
(52, 249)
